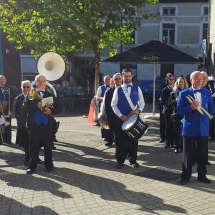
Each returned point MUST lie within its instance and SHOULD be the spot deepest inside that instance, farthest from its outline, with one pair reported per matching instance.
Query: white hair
(193, 74)
(114, 76)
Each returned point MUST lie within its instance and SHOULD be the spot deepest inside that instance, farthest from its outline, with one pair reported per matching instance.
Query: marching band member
(195, 128)
(22, 137)
(6, 98)
(167, 111)
(211, 124)
(110, 115)
(211, 87)
(99, 97)
(121, 107)
(179, 85)
(40, 125)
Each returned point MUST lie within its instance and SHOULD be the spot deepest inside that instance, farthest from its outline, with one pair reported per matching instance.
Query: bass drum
(135, 127)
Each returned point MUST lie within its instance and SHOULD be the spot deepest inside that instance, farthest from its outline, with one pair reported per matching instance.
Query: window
(169, 11)
(205, 31)
(169, 33)
(205, 11)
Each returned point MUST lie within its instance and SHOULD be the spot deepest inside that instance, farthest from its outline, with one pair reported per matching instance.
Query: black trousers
(162, 125)
(7, 134)
(189, 145)
(177, 133)
(169, 129)
(108, 134)
(41, 133)
(22, 139)
(125, 145)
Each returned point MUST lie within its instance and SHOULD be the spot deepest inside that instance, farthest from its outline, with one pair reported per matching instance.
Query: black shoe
(104, 139)
(30, 171)
(183, 182)
(161, 140)
(9, 142)
(167, 146)
(50, 169)
(135, 165)
(108, 144)
(204, 180)
(119, 165)
(207, 163)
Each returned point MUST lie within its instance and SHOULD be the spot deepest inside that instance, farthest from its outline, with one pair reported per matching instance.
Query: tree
(63, 26)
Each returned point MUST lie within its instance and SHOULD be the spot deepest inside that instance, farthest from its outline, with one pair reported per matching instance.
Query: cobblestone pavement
(85, 180)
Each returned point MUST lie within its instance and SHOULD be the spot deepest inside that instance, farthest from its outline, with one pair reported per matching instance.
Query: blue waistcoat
(40, 117)
(103, 88)
(123, 104)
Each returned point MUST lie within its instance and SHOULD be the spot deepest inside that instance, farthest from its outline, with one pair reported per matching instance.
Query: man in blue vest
(121, 107)
(40, 124)
(195, 128)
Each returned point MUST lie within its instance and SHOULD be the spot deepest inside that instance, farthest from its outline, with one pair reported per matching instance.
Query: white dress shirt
(114, 102)
(198, 96)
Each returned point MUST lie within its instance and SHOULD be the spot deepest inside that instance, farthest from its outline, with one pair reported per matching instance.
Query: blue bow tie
(129, 85)
(195, 91)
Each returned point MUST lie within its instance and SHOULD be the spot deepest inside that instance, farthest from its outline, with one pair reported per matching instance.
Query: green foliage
(71, 25)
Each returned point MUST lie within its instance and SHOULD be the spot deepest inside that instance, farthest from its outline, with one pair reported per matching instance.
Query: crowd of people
(186, 111)
(183, 124)
(186, 119)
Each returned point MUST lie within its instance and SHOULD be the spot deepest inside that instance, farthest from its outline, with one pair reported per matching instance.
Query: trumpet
(200, 109)
(5, 123)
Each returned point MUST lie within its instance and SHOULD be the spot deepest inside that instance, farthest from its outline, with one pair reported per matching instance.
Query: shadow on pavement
(111, 190)
(32, 183)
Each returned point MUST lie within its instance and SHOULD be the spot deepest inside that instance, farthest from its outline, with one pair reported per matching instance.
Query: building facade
(180, 24)
(211, 37)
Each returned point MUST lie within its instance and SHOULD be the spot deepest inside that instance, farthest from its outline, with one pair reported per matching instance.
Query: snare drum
(134, 127)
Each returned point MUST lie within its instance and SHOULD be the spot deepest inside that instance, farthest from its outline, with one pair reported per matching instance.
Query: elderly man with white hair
(40, 122)
(195, 128)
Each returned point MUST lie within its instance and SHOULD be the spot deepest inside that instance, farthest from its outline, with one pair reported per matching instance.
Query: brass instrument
(7, 123)
(200, 109)
(7, 92)
(32, 94)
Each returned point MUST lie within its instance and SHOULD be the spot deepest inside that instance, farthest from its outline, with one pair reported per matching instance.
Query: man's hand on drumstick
(135, 112)
(124, 118)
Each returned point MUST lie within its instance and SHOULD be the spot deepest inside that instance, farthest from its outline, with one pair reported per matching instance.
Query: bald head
(40, 82)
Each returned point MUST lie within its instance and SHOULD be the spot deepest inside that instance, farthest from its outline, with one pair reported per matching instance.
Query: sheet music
(2, 120)
(47, 101)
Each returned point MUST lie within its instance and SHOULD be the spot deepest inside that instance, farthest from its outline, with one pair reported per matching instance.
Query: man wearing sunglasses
(22, 138)
(6, 99)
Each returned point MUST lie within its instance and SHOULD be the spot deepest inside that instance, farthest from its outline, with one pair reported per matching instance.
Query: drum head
(130, 122)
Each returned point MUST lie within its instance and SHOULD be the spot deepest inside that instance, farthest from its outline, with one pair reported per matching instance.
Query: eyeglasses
(117, 79)
(25, 86)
